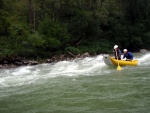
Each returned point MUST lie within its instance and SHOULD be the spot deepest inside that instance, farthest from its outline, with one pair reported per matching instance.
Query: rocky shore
(20, 61)
(14, 62)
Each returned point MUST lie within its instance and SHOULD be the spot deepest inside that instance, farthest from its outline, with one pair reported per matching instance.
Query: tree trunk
(31, 14)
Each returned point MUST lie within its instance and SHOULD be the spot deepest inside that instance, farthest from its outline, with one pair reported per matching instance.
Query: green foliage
(35, 40)
(73, 50)
(50, 27)
(97, 47)
(146, 39)
(4, 24)
(92, 48)
(54, 34)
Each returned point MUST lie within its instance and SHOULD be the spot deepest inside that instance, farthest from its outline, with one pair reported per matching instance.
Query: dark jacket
(118, 55)
(128, 55)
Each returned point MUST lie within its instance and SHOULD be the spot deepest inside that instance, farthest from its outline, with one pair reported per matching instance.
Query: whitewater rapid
(88, 66)
(30, 74)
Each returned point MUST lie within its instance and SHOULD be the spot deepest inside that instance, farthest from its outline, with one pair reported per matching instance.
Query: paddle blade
(119, 68)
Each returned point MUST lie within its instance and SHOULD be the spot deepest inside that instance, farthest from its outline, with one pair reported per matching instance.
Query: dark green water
(79, 86)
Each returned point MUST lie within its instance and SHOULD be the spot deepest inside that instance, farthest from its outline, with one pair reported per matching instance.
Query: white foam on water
(29, 74)
(76, 67)
(145, 59)
(88, 66)
(17, 77)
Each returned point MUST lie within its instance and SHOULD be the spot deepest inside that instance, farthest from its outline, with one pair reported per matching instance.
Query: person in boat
(127, 55)
(117, 52)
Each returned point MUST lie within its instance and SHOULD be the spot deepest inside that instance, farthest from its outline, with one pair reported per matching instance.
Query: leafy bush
(92, 48)
(73, 50)
(54, 34)
(146, 40)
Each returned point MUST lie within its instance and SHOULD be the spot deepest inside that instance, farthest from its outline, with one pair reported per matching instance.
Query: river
(79, 86)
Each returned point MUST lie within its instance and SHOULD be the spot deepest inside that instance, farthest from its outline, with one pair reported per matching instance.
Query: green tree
(54, 34)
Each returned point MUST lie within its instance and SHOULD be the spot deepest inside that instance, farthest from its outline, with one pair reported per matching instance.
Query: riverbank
(21, 61)
(17, 61)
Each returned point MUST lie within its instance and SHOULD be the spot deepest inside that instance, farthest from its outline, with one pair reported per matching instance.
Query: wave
(27, 75)
(145, 59)
(88, 66)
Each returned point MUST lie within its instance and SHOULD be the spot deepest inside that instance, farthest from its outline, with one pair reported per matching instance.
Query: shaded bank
(20, 61)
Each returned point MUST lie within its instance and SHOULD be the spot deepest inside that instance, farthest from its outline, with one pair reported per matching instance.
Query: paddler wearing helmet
(117, 52)
(127, 55)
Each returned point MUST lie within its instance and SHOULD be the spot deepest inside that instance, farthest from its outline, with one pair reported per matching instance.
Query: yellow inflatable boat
(112, 61)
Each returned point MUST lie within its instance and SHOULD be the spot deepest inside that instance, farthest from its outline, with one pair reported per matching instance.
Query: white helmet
(116, 46)
(125, 50)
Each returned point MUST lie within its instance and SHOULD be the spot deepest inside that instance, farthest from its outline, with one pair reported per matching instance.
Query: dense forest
(42, 28)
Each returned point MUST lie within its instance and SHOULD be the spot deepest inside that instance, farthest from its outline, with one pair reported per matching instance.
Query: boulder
(86, 54)
(18, 63)
(33, 62)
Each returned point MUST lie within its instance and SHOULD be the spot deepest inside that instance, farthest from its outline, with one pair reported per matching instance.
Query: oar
(118, 67)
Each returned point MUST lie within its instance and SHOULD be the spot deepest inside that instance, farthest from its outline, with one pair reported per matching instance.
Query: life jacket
(128, 55)
(118, 54)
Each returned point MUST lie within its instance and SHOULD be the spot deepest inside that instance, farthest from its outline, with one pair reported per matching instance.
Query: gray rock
(86, 54)
(18, 63)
